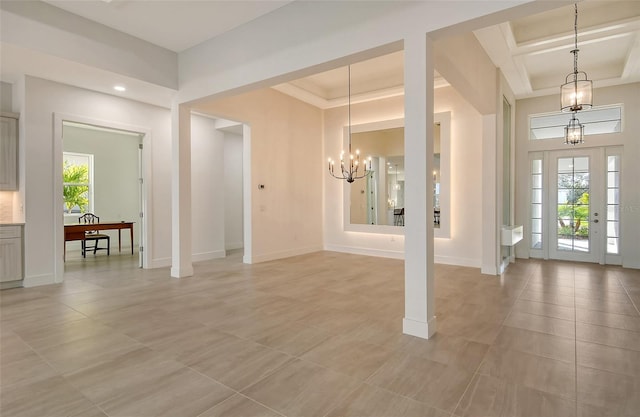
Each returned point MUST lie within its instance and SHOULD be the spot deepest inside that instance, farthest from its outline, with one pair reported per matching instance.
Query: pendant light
(574, 132)
(577, 92)
(349, 169)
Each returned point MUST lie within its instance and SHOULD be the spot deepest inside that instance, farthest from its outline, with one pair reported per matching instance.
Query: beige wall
(462, 61)
(286, 149)
(464, 247)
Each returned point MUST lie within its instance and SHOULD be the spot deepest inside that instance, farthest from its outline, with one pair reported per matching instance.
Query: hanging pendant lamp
(577, 92)
(349, 169)
(574, 132)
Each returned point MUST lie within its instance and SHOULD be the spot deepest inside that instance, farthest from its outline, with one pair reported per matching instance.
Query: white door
(576, 205)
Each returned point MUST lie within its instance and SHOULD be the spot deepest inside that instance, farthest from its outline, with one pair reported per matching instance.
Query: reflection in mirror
(371, 206)
(379, 198)
(376, 204)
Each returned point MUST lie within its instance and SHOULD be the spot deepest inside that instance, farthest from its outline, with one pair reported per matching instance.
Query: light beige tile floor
(320, 335)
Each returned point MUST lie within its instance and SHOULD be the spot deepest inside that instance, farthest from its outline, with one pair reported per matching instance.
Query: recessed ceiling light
(119, 88)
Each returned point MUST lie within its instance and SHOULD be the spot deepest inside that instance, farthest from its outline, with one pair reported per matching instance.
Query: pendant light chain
(349, 105)
(349, 170)
(575, 31)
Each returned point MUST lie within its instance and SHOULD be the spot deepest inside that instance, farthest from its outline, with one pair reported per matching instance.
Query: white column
(419, 276)
(181, 265)
(490, 204)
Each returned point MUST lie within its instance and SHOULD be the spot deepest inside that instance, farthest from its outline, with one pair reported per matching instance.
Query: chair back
(89, 218)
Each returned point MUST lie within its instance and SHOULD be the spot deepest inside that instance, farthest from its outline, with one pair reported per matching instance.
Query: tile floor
(320, 335)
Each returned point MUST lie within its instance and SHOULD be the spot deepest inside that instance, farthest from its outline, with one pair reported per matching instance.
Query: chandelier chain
(575, 31)
(350, 164)
(349, 106)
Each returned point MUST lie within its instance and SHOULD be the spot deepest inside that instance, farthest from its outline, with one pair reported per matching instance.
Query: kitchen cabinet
(11, 258)
(8, 151)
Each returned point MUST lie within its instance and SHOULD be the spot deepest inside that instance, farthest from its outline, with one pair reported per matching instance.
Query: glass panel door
(575, 226)
(573, 204)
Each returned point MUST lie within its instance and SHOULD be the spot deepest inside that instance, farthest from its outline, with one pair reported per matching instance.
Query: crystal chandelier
(577, 92)
(349, 169)
(574, 132)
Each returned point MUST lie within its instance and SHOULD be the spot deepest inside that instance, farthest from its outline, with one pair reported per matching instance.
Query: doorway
(112, 184)
(577, 205)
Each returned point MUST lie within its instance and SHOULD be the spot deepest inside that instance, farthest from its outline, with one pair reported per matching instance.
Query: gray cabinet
(8, 151)
(11, 260)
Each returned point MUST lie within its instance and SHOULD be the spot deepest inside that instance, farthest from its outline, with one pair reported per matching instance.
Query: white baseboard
(182, 272)
(418, 328)
(284, 254)
(454, 260)
(232, 246)
(159, 263)
(207, 256)
(34, 281)
(366, 251)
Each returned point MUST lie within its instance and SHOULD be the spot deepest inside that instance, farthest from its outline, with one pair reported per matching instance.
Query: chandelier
(577, 92)
(349, 169)
(574, 132)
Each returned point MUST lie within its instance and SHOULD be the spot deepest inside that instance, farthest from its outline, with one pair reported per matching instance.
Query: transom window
(597, 121)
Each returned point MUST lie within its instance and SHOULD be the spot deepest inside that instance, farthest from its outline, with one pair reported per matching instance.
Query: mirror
(376, 203)
(374, 199)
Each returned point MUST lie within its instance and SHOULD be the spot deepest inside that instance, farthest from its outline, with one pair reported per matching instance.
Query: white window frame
(536, 252)
(611, 258)
(90, 184)
(568, 116)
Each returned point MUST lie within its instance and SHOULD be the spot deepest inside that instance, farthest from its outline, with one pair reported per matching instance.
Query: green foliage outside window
(75, 187)
(573, 215)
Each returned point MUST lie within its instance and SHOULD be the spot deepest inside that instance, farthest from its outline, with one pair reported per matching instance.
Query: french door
(576, 225)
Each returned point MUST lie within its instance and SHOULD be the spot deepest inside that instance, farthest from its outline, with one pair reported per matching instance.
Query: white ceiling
(173, 24)
(534, 52)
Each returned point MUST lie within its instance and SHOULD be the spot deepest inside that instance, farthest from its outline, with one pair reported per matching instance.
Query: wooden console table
(77, 231)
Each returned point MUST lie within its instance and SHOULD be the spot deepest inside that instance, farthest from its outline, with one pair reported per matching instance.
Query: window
(596, 121)
(536, 204)
(77, 183)
(613, 204)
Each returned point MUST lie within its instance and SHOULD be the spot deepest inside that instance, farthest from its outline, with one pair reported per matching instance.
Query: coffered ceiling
(534, 52)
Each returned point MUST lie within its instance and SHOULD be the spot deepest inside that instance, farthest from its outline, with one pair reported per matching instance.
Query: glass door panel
(573, 204)
(575, 200)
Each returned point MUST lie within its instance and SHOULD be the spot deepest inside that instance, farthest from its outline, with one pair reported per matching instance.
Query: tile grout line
(502, 325)
(627, 294)
(60, 374)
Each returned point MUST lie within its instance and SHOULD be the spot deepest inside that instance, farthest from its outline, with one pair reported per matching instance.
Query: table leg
(131, 230)
(119, 242)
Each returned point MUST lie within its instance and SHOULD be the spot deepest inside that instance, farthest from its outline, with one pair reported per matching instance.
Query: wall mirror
(375, 204)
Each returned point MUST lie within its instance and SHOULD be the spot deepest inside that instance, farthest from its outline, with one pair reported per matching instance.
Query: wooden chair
(93, 235)
(398, 217)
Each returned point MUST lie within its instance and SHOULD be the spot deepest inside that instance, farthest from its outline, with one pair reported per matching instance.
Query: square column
(419, 275)
(181, 265)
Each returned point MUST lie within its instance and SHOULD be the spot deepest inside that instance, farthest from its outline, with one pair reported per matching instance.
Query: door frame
(597, 184)
(146, 240)
(548, 212)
